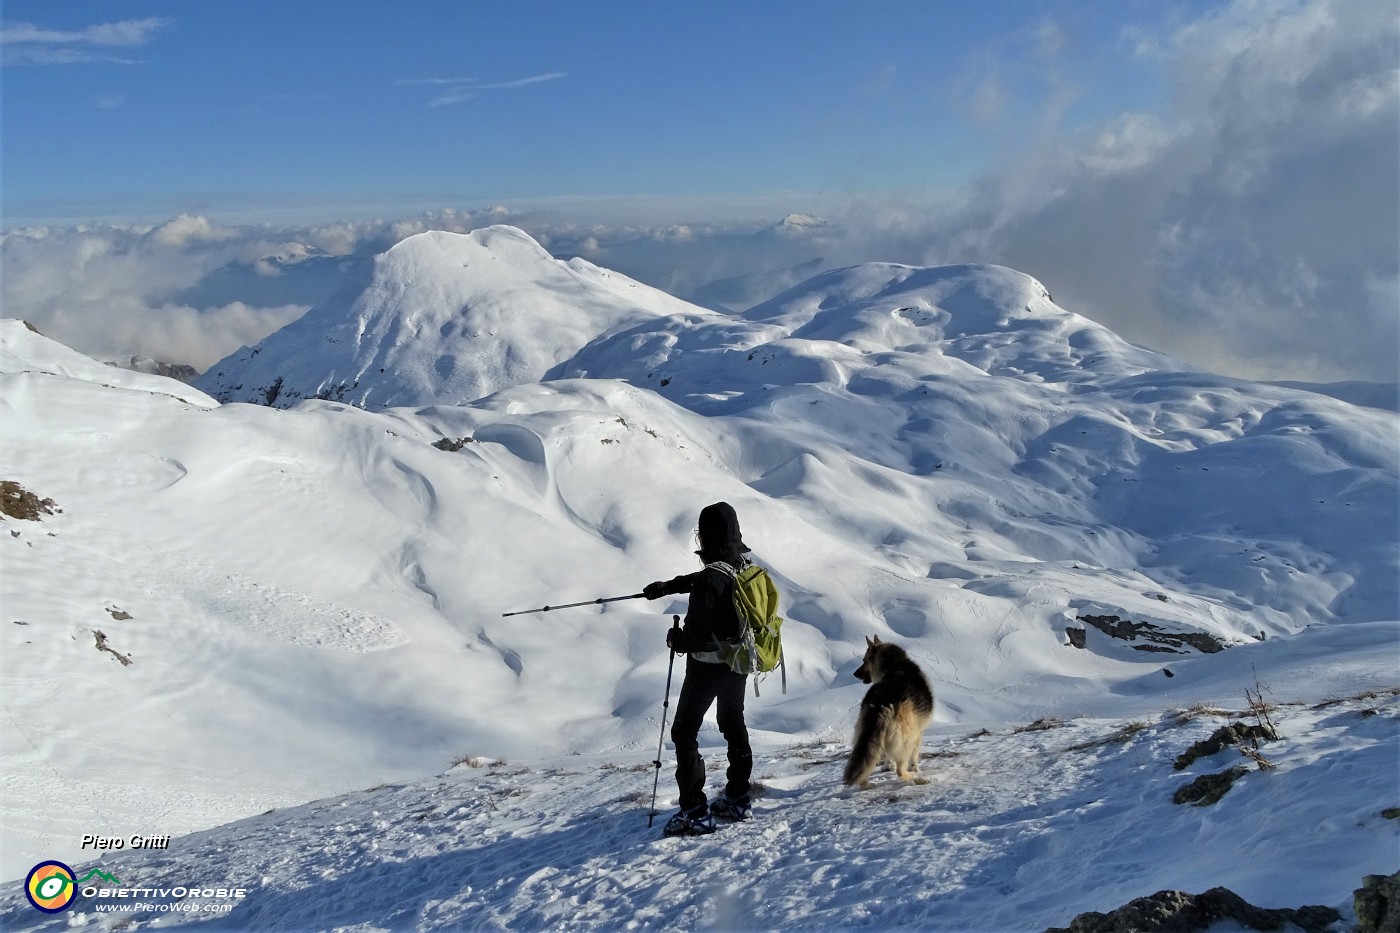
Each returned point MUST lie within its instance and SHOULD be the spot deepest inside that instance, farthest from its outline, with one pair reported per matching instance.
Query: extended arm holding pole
(586, 602)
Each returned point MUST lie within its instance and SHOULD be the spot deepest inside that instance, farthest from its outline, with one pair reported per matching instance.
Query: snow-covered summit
(800, 224)
(442, 318)
(999, 320)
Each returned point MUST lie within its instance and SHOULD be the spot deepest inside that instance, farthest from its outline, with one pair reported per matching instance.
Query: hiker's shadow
(464, 887)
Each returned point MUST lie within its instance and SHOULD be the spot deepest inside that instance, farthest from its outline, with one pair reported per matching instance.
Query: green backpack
(760, 645)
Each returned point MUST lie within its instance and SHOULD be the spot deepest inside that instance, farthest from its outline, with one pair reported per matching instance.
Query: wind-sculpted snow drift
(941, 456)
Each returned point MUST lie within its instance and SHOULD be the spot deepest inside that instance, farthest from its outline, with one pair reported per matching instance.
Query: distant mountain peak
(443, 317)
(801, 223)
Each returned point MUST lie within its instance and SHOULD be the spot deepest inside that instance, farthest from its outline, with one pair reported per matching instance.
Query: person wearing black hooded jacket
(710, 621)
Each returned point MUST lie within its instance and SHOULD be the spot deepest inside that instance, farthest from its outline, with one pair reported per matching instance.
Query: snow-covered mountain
(310, 595)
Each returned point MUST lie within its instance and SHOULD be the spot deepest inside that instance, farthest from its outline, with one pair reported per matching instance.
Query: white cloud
(452, 97)
(129, 32)
(479, 85)
(1252, 227)
(107, 291)
(461, 90)
(29, 44)
(186, 229)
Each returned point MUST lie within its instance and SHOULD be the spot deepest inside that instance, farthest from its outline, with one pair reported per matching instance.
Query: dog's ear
(868, 642)
(877, 641)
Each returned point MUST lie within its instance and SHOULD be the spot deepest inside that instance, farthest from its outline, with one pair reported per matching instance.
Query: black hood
(719, 533)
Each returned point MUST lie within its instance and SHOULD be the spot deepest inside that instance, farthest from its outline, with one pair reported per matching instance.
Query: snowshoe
(696, 822)
(731, 809)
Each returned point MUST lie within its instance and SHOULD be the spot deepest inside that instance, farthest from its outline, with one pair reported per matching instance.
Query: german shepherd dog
(893, 715)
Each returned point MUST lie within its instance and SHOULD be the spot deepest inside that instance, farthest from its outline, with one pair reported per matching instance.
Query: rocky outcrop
(181, 372)
(1209, 788)
(1153, 637)
(1378, 904)
(1236, 733)
(1179, 912)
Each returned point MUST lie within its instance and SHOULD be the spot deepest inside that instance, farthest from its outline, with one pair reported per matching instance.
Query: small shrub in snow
(1043, 724)
(1117, 737)
(475, 761)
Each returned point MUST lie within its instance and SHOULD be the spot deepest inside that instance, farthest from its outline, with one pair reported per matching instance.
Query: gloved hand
(654, 590)
(673, 638)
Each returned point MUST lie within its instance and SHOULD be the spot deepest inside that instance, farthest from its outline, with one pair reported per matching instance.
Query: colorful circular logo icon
(50, 886)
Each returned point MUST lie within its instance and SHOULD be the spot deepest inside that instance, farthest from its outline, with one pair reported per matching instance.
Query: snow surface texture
(942, 457)
(1016, 829)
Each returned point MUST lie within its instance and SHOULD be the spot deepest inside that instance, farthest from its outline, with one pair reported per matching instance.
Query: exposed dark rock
(1208, 788)
(452, 445)
(1154, 637)
(1236, 733)
(18, 502)
(181, 372)
(1179, 912)
(103, 646)
(1378, 904)
(1077, 636)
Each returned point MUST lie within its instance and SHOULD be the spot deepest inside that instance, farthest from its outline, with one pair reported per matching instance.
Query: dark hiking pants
(705, 684)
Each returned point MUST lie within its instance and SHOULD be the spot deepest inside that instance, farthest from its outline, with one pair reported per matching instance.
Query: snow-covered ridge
(24, 350)
(453, 317)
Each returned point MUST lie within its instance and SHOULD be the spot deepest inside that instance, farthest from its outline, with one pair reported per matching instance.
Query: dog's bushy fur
(893, 715)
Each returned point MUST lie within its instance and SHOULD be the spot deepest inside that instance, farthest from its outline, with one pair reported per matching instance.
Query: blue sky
(108, 106)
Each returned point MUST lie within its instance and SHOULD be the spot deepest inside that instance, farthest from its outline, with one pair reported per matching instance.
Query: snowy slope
(443, 317)
(939, 456)
(1019, 828)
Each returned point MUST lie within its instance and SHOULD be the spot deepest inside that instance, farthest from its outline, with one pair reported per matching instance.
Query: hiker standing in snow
(710, 620)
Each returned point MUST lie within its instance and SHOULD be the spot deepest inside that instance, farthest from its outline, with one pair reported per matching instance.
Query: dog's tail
(873, 723)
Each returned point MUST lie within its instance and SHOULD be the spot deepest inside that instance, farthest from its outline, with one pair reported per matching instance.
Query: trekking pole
(586, 602)
(656, 781)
